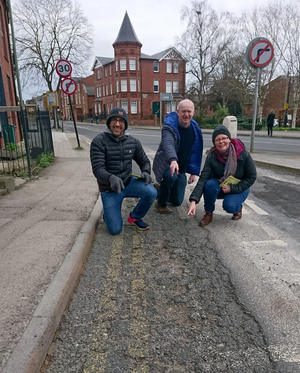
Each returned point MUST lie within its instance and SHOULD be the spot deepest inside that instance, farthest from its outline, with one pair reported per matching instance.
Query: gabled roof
(101, 61)
(127, 33)
(171, 53)
(90, 91)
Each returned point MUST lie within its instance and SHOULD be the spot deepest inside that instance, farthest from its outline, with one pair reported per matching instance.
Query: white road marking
(257, 209)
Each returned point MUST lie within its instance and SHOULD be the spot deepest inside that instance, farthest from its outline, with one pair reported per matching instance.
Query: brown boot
(207, 218)
(237, 215)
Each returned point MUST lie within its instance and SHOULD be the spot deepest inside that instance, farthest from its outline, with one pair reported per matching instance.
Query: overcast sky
(156, 22)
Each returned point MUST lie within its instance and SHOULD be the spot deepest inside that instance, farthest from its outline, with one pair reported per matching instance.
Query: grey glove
(146, 177)
(116, 183)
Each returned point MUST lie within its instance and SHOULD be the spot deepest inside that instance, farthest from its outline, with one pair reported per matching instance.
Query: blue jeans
(172, 189)
(112, 203)
(232, 203)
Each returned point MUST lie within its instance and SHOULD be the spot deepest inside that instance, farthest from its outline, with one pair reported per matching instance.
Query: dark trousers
(270, 130)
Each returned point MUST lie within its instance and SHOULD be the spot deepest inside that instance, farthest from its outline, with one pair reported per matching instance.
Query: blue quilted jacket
(169, 145)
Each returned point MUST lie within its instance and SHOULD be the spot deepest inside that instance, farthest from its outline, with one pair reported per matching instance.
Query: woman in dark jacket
(228, 157)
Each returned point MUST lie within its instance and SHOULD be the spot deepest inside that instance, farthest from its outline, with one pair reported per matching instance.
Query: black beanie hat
(220, 130)
(117, 112)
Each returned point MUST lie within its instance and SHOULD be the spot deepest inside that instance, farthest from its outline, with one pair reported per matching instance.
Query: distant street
(150, 138)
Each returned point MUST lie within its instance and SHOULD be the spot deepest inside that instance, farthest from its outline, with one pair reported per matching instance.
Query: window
(3, 35)
(125, 106)
(175, 68)
(103, 90)
(173, 106)
(99, 108)
(156, 86)
(123, 85)
(98, 74)
(133, 105)
(156, 66)
(110, 87)
(106, 89)
(169, 67)
(176, 86)
(132, 64)
(116, 65)
(122, 64)
(168, 107)
(109, 69)
(132, 85)
(117, 85)
(105, 71)
(111, 106)
(168, 86)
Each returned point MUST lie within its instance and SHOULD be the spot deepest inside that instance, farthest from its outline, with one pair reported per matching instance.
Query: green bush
(45, 159)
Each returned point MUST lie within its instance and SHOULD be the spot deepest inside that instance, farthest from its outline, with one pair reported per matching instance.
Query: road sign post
(259, 53)
(68, 86)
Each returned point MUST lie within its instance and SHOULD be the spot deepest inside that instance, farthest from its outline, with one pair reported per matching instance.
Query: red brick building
(82, 100)
(280, 88)
(133, 80)
(9, 127)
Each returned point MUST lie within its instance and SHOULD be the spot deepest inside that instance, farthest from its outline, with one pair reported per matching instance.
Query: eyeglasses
(222, 139)
(115, 120)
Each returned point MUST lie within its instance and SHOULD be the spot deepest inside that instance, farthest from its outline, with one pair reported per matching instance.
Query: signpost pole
(254, 109)
(71, 108)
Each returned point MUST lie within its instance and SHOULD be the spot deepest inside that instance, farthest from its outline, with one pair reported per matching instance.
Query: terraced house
(9, 127)
(134, 80)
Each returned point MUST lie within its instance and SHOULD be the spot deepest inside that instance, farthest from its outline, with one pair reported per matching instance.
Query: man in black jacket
(112, 153)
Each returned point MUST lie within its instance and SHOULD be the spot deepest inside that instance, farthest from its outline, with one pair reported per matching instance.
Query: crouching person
(111, 154)
(228, 163)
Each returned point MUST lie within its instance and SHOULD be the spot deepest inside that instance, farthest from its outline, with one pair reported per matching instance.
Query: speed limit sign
(63, 68)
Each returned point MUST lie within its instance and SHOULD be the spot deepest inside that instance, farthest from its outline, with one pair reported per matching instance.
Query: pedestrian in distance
(228, 173)
(179, 152)
(112, 153)
(270, 122)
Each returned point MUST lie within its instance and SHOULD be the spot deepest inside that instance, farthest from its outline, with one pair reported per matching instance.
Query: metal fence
(24, 136)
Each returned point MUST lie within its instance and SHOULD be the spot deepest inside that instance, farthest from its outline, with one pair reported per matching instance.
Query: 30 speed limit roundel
(63, 68)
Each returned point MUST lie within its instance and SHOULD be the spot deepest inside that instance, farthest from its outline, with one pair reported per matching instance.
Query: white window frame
(132, 85)
(109, 69)
(117, 86)
(123, 85)
(133, 106)
(132, 64)
(122, 64)
(169, 67)
(110, 86)
(156, 65)
(176, 86)
(117, 66)
(125, 106)
(156, 84)
(168, 86)
(175, 67)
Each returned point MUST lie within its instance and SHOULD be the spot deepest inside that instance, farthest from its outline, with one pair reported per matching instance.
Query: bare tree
(233, 79)
(259, 23)
(287, 16)
(207, 37)
(47, 31)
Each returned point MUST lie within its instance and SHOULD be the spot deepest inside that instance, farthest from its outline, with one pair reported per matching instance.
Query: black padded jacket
(112, 155)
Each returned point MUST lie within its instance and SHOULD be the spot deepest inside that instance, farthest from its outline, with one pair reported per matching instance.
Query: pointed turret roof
(127, 33)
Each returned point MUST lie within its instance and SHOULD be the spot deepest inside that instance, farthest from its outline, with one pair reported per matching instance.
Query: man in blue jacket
(179, 152)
